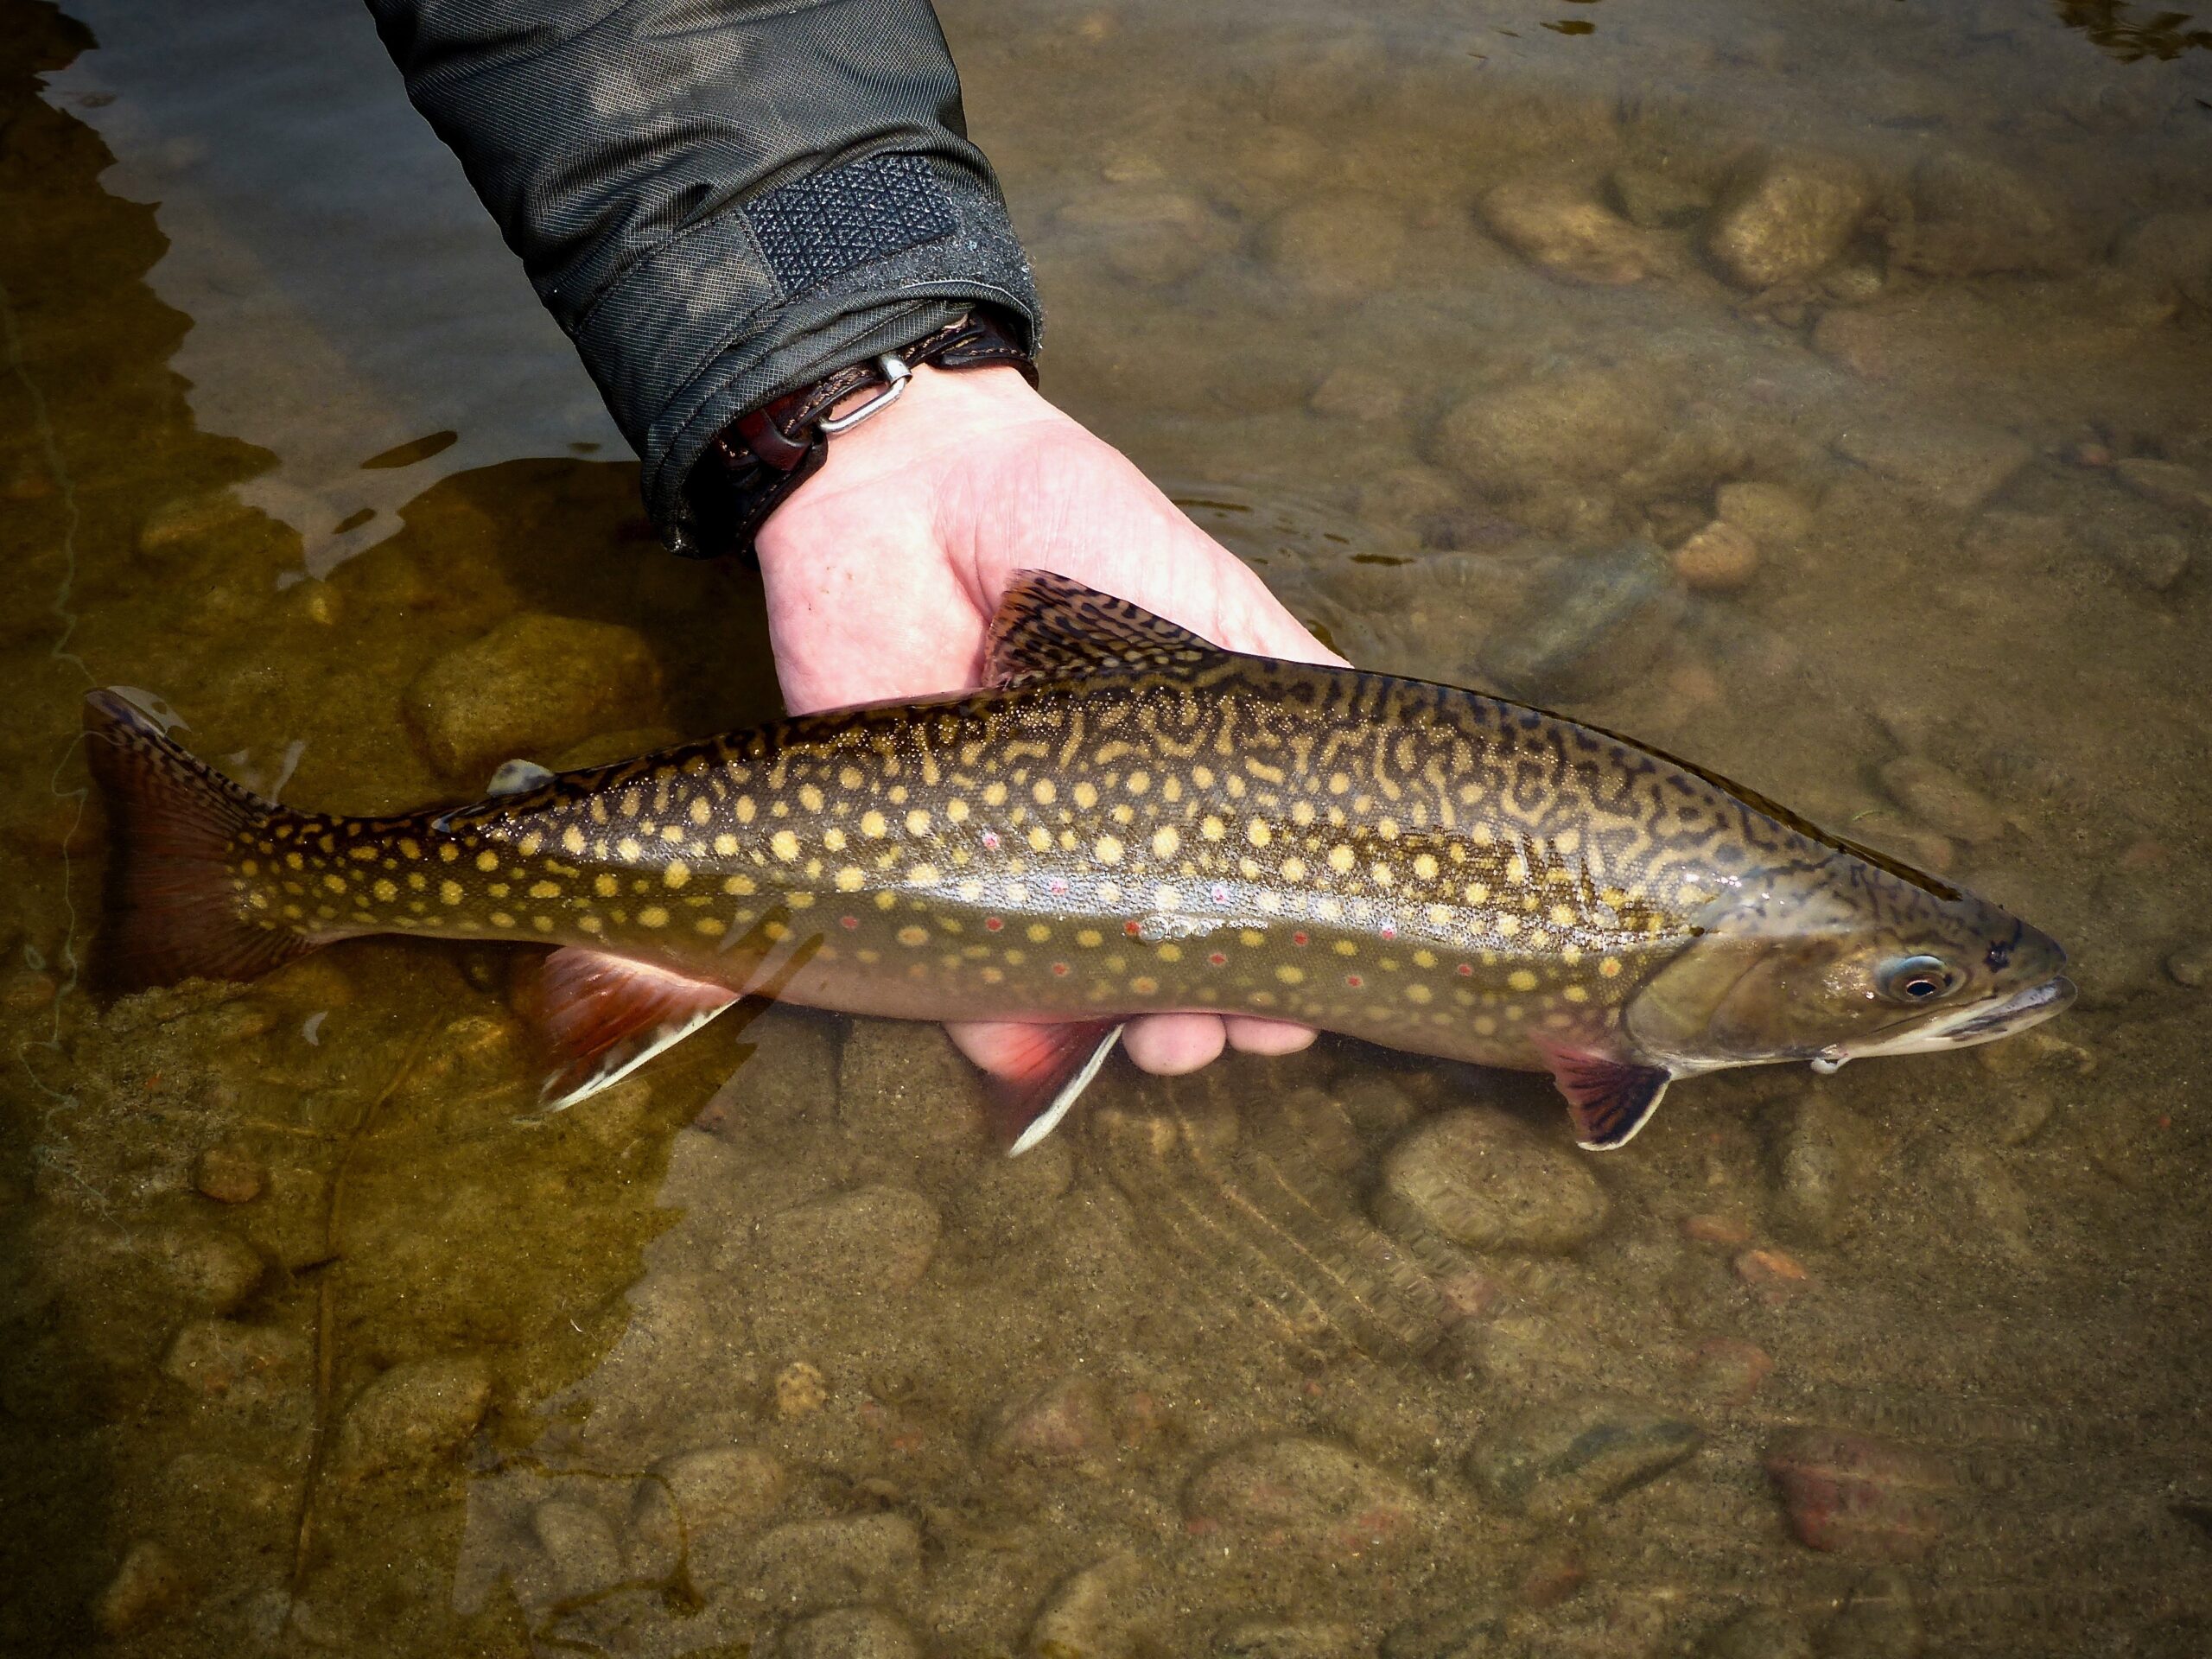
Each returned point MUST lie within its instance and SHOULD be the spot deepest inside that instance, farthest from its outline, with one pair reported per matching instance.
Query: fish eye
(1916, 979)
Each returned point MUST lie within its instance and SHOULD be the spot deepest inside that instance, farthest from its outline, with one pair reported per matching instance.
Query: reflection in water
(2163, 35)
(1817, 393)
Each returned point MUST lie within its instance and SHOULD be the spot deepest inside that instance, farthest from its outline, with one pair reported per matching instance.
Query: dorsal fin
(1051, 625)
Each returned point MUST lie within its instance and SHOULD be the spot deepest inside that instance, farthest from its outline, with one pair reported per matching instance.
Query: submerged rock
(1973, 217)
(214, 1271)
(239, 1364)
(229, 1175)
(1655, 199)
(416, 1413)
(1304, 1494)
(1954, 464)
(2183, 489)
(1560, 1461)
(1824, 1165)
(1066, 1421)
(1787, 219)
(1769, 512)
(579, 1543)
(1758, 1634)
(1561, 229)
(1152, 234)
(849, 1633)
(1857, 1495)
(1267, 1639)
(871, 1238)
(1092, 1612)
(1879, 1621)
(722, 1485)
(534, 685)
(805, 1564)
(147, 1587)
(1581, 623)
(1477, 1177)
(1581, 426)
(1942, 799)
(1340, 247)
(1718, 559)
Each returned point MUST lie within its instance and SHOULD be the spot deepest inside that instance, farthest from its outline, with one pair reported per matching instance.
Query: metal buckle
(895, 374)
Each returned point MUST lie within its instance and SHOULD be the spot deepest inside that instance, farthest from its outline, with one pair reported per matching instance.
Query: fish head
(1842, 960)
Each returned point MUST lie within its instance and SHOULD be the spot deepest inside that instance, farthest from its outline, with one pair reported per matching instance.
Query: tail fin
(179, 904)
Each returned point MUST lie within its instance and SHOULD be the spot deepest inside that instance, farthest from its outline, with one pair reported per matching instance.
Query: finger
(1249, 1034)
(1168, 1045)
(990, 1044)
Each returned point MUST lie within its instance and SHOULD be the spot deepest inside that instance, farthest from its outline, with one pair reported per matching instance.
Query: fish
(1125, 819)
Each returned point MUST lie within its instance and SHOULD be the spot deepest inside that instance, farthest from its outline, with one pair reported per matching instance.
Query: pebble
(1719, 559)
(229, 1175)
(1773, 514)
(1942, 800)
(533, 686)
(1758, 1634)
(1729, 1369)
(1093, 1613)
(2191, 965)
(801, 1391)
(1307, 1494)
(1879, 1621)
(1477, 1177)
(240, 1365)
(805, 1564)
(1729, 1230)
(1560, 1461)
(849, 1633)
(147, 1587)
(721, 1485)
(1786, 219)
(1578, 426)
(1336, 248)
(2169, 483)
(1773, 1276)
(1993, 1209)
(1824, 1164)
(216, 1271)
(418, 1413)
(1562, 229)
(870, 1238)
(1377, 1108)
(1856, 1494)
(1656, 200)
(1066, 1422)
(1952, 464)
(1266, 1639)
(1150, 234)
(580, 1544)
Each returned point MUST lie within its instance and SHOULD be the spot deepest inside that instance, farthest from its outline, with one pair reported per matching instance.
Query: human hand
(884, 569)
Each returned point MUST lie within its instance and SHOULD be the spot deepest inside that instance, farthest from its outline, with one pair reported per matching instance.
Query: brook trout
(1129, 819)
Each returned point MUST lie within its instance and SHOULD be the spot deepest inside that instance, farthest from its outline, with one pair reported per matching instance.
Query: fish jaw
(1965, 1027)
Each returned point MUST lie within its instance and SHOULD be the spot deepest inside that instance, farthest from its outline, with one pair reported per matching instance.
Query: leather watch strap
(752, 465)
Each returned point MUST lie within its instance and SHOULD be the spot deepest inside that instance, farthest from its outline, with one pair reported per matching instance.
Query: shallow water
(316, 1339)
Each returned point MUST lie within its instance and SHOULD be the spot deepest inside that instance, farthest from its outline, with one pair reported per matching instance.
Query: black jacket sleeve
(719, 201)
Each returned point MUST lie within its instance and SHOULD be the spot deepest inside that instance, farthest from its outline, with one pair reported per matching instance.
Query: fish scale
(1129, 821)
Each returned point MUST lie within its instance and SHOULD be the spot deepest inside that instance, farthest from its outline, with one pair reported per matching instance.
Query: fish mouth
(1982, 1022)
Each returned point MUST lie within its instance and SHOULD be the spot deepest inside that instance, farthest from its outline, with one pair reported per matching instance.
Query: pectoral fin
(601, 1017)
(1609, 1100)
(1038, 1072)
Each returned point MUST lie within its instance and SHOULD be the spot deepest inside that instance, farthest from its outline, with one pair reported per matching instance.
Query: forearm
(717, 213)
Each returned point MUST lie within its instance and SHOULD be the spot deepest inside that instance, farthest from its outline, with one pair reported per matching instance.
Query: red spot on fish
(1129, 928)
(1354, 981)
(1390, 932)
(849, 922)
(1298, 938)
(993, 924)
(1218, 892)
(1057, 886)
(1060, 969)
(1218, 960)
(990, 840)
(1466, 970)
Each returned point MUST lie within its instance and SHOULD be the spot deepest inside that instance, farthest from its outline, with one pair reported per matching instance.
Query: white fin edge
(1048, 1120)
(666, 1037)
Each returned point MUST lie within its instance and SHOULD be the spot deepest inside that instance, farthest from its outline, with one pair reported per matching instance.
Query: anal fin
(600, 1017)
(1041, 1071)
(1608, 1100)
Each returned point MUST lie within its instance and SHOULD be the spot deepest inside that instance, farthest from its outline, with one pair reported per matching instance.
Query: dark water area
(1816, 391)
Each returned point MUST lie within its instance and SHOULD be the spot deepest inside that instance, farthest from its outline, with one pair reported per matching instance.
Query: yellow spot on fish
(1425, 866)
(850, 877)
(784, 844)
(487, 860)
(606, 886)
(1342, 858)
(1477, 891)
(1611, 967)
(1521, 980)
(1085, 796)
(671, 832)
(1038, 933)
(917, 822)
(572, 841)
(745, 808)
(810, 797)
(994, 794)
(500, 918)
(1258, 833)
(652, 916)
(1482, 835)
(1294, 868)
(629, 848)
(1043, 792)
(874, 825)
(1212, 828)
(384, 890)
(1508, 926)
(1290, 974)
(1089, 938)
(545, 889)
(957, 811)
(1301, 813)
(1137, 782)
(1164, 841)
(712, 926)
(924, 875)
(1424, 958)
(1041, 839)
(1417, 992)
(726, 846)
(1108, 850)
(1516, 869)
(849, 777)
(914, 935)
(1381, 875)
(737, 886)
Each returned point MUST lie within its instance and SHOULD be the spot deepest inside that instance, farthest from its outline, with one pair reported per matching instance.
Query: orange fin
(174, 907)
(1049, 626)
(601, 1017)
(1037, 1081)
(1609, 1100)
